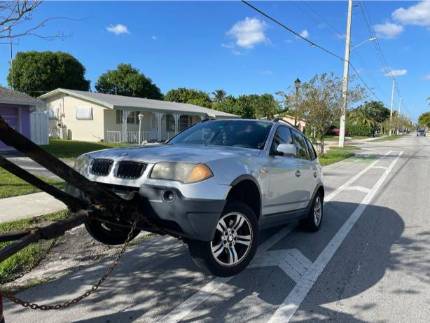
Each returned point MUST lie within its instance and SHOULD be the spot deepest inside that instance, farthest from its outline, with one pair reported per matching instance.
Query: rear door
(305, 172)
(283, 186)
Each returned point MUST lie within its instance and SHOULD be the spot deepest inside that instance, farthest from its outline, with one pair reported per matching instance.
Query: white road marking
(216, 284)
(292, 302)
(353, 179)
(291, 261)
(185, 308)
(379, 167)
(358, 188)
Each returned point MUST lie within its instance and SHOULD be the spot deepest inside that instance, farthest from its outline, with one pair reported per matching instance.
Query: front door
(283, 185)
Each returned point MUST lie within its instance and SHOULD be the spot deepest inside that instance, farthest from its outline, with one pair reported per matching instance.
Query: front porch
(134, 127)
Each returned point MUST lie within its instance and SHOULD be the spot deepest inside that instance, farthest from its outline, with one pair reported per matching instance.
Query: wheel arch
(246, 189)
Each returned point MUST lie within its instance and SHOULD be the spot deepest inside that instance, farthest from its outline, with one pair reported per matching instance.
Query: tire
(108, 234)
(315, 216)
(234, 244)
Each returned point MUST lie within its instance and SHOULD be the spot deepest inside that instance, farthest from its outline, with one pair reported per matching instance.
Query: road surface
(369, 262)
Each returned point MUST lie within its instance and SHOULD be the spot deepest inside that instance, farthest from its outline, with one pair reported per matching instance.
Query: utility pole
(11, 57)
(400, 105)
(345, 76)
(391, 106)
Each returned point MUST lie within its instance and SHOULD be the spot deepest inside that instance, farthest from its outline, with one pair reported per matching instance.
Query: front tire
(109, 234)
(234, 243)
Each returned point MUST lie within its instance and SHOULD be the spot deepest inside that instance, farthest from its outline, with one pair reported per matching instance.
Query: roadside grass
(10, 185)
(387, 138)
(335, 155)
(29, 257)
(72, 149)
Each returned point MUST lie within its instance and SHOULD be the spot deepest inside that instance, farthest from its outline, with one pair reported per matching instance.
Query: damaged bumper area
(184, 217)
(192, 218)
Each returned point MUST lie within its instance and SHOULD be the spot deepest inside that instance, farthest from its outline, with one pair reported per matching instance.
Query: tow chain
(13, 298)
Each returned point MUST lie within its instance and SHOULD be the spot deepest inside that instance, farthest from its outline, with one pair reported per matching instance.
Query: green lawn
(30, 256)
(10, 185)
(337, 154)
(72, 148)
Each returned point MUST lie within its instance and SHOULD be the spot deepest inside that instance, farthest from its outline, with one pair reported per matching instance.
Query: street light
(363, 42)
(297, 84)
(140, 116)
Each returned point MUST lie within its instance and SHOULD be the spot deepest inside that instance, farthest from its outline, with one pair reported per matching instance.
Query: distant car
(421, 132)
(216, 184)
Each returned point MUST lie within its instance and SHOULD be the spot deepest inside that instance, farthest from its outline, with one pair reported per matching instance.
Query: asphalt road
(369, 262)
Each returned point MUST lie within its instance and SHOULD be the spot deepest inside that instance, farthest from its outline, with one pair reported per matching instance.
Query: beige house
(89, 116)
(301, 124)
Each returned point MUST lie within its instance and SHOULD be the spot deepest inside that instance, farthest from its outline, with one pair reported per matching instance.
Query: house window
(170, 122)
(132, 117)
(84, 113)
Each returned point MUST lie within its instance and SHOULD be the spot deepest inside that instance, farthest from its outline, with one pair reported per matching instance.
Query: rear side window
(302, 147)
(311, 150)
(282, 136)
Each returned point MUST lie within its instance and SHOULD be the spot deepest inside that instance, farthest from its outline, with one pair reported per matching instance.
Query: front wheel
(233, 245)
(109, 234)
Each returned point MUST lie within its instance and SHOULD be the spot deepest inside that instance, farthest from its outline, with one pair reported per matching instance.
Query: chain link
(13, 298)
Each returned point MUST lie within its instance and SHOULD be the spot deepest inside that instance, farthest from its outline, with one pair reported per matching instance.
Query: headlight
(182, 172)
(82, 164)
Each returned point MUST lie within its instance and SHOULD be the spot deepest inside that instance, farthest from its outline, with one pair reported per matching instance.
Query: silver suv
(215, 185)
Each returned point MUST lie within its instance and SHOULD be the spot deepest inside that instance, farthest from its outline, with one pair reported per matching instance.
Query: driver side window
(282, 136)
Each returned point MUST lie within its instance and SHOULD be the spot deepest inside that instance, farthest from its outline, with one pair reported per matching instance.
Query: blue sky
(212, 45)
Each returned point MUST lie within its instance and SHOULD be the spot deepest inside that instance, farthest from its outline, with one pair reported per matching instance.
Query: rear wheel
(109, 234)
(234, 243)
(313, 221)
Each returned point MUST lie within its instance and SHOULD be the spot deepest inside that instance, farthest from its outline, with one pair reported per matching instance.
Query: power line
(312, 43)
(378, 48)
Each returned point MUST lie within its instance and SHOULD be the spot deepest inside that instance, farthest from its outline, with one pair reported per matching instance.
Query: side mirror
(287, 150)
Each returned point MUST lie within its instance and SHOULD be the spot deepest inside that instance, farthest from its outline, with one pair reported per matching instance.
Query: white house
(89, 116)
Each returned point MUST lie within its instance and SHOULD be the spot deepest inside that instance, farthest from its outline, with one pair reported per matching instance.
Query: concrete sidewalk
(28, 206)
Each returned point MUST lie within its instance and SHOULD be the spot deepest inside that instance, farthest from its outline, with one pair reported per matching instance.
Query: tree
(370, 114)
(127, 80)
(267, 106)
(12, 14)
(219, 95)
(424, 119)
(192, 96)
(320, 103)
(36, 73)
(228, 104)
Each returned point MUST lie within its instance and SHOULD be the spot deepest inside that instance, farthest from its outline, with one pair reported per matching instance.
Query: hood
(175, 153)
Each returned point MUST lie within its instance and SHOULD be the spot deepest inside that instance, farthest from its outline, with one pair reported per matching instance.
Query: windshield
(234, 133)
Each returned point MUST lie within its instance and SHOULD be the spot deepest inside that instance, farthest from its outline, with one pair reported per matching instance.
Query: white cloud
(154, 37)
(248, 32)
(387, 30)
(396, 73)
(426, 77)
(304, 33)
(418, 14)
(118, 29)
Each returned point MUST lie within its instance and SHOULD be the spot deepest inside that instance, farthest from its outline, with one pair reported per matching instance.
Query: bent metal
(100, 205)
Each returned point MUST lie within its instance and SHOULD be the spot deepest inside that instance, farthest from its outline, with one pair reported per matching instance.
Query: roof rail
(284, 121)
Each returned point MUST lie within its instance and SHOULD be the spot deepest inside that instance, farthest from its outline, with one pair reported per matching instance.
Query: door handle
(298, 173)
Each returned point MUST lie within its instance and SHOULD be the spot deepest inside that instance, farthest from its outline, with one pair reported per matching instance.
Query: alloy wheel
(317, 210)
(233, 239)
